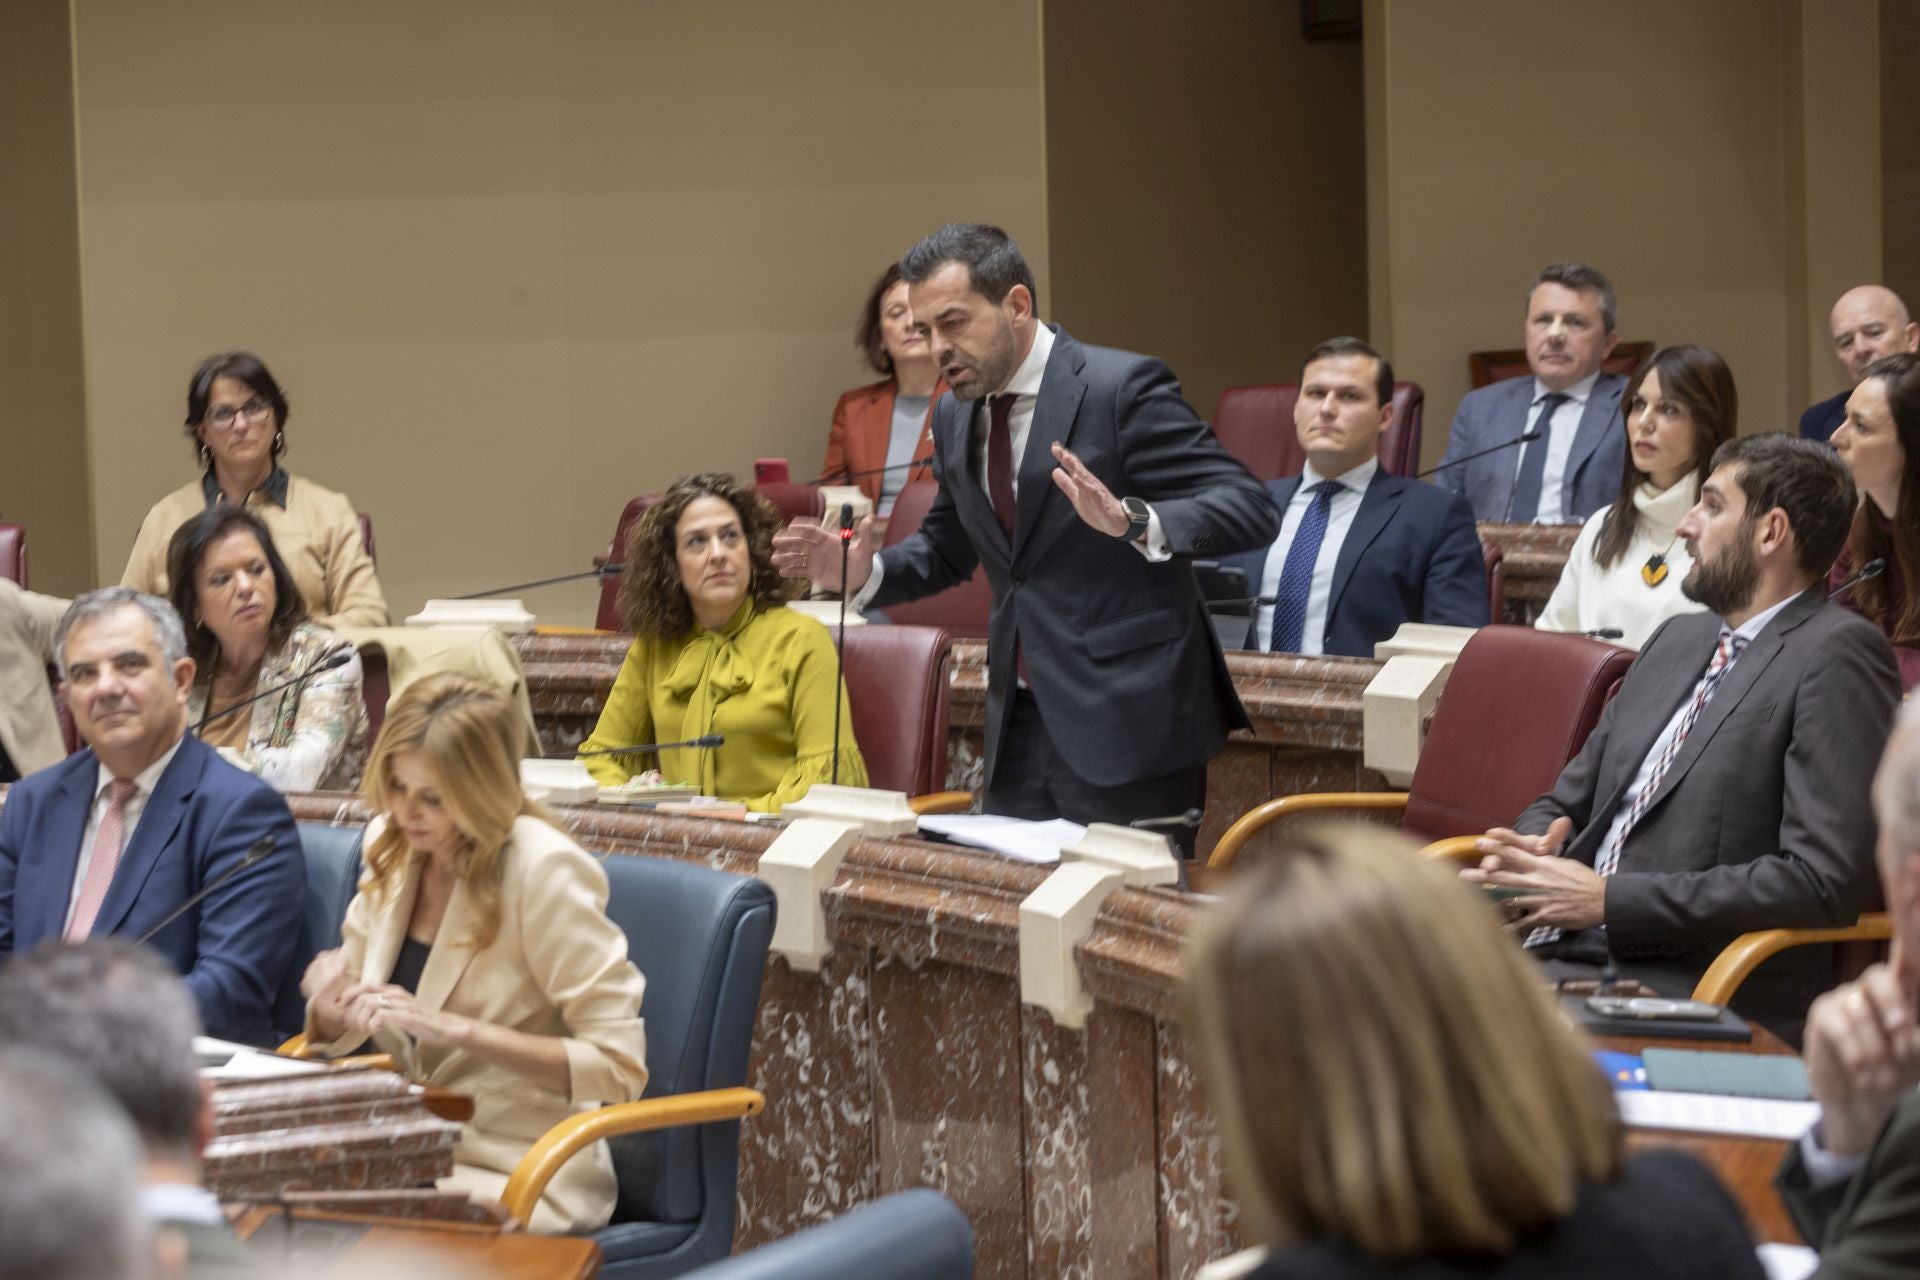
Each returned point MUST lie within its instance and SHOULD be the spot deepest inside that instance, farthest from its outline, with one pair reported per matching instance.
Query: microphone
(336, 659)
(255, 852)
(603, 572)
(1605, 633)
(840, 476)
(840, 637)
(1481, 453)
(1239, 602)
(705, 742)
(1871, 569)
(1184, 821)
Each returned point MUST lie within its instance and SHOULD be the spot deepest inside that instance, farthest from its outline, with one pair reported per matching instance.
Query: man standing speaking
(1082, 481)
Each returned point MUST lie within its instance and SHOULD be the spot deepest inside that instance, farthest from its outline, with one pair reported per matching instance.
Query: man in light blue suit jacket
(1574, 469)
(1360, 552)
(116, 837)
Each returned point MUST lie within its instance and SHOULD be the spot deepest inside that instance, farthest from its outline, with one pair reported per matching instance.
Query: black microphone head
(257, 850)
(332, 660)
(846, 516)
(709, 740)
(1871, 569)
(1607, 633)
(1528, 438)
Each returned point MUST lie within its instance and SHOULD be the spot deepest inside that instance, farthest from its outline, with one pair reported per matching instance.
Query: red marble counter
(909, 1060)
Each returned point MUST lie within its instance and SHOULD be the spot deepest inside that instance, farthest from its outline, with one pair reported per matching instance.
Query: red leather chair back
(13, 555)
(1496, 559)
(366, 537)
(1255, 425)
(795, 501)
(1518, 706)
(897, 692)
(964, 609)
(608, 617)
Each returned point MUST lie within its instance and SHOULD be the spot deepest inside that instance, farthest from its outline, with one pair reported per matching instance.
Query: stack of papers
(1716, 1113)
(225, 1060)
(1015, 837)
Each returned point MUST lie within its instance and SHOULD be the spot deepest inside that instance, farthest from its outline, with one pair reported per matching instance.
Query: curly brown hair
(651, 600)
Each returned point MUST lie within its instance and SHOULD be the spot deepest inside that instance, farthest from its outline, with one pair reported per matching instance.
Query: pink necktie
(105, 860)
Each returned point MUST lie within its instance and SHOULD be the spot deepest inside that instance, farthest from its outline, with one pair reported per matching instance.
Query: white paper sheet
(1015, 837)
(247, 1063)
(1716, 1113)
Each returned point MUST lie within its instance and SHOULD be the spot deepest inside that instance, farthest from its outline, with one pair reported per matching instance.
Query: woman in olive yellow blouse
(716, 650)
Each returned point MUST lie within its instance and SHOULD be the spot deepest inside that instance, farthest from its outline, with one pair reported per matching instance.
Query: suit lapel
(1519, 408)
(954, 442)
(1735, 685)
(1378, 506)
(451, 953)
(159, 821)
(1596, 422)
(1061, 389)
(68, 827)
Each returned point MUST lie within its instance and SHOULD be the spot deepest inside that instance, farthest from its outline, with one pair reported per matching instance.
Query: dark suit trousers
(1030, 780)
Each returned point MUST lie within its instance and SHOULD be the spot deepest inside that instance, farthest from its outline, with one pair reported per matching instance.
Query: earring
(279, 442)
(203, 453)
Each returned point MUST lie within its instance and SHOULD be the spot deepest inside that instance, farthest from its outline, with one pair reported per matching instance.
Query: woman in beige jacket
(237, 419)
(478, 950)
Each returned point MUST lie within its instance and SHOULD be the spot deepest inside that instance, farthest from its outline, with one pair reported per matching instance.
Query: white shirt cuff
(857, 603)
(1824, 1168)
(1153, 543)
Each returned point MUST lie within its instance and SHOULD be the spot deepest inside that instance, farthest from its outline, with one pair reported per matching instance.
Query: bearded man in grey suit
(1725, 788)
(1573, 469)
(1852, 1183)
(1083, 483)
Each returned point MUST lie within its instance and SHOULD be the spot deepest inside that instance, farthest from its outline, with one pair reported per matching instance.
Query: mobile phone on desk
(1650, 1007)
(770, 471)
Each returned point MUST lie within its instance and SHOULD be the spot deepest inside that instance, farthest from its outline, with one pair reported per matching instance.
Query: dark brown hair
(1699, 379)
(185, 551)
(1899, 376)
(1804, 479)
(869, 335)
(1333, 348)
(248, 368)
(651, 600)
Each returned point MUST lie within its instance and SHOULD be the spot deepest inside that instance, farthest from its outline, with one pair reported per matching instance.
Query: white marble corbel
(1142, 858)
(878, 813)
(1424, 640)
(1394, 711)
(799, 866)
(1053, 918)
(558, 781)
(473, 615)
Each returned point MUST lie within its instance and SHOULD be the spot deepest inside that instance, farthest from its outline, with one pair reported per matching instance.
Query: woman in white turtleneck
(1625, 570)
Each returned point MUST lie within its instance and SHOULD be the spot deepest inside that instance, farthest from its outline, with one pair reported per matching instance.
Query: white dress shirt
(1346, 505)
(1561, 429)
(1749, 630)
(143, 783)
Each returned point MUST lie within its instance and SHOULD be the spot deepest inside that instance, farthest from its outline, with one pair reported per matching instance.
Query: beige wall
(1206, 185)
(517, 261)
(43, 441)
(1900, 147)
(1671, 145)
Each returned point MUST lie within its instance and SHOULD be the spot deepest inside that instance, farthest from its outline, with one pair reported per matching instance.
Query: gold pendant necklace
(1654, 571)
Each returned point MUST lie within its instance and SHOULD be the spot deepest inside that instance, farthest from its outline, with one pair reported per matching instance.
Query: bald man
(1868, 322)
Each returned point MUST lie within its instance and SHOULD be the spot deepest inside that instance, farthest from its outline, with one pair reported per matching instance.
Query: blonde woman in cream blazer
(29, 727)
(535, 1023)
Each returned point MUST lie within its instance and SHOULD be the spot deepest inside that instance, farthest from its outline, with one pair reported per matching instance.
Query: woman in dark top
(1879, 440)
(1396, 1095)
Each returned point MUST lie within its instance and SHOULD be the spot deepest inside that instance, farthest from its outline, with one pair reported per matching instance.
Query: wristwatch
(1138, 515)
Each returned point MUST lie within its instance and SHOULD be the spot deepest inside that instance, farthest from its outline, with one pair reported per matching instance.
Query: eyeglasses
(222, 416)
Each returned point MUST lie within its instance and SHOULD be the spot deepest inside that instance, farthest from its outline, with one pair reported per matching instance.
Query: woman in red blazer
(863, 436)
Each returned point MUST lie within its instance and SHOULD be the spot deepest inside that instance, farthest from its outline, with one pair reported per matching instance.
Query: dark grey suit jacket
(1122, 661)
(1762, 821)
(1868, 1227)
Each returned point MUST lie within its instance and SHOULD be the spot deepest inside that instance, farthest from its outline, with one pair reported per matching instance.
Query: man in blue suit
(1573, 469)
(1360, 551)
(1868, 323)
(115, 838)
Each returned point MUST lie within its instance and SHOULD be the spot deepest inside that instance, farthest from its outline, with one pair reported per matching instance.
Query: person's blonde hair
(1386, 1068)
(469, 734)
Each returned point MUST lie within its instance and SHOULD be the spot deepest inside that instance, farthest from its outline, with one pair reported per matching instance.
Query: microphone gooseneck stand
(840, 637)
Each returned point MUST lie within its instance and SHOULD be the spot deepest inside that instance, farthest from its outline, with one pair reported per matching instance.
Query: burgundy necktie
(1000, 459)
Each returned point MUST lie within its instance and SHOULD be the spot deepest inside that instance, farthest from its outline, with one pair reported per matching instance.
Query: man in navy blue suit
(1868, 322)
(1360, 551)
(1573, 469)
(116, 837)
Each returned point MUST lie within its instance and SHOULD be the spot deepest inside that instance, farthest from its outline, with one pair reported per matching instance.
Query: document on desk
(225, 1060)
(1788, 1261)
(1015, 837)
(1716, 1113)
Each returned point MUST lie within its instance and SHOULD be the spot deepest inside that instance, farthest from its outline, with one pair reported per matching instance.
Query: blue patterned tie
(1296, 579)
(1524, 506)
